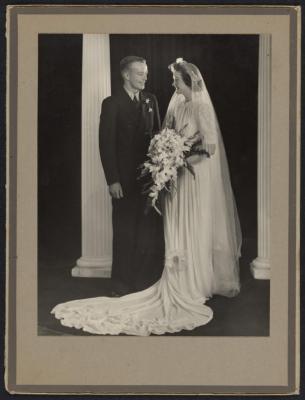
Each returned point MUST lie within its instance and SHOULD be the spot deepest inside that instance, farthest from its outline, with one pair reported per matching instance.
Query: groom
(128, 121)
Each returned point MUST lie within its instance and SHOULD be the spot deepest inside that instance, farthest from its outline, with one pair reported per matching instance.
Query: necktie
(135, 100)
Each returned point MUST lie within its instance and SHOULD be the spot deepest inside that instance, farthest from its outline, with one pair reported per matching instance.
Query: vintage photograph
(153, 165)
(153, 184)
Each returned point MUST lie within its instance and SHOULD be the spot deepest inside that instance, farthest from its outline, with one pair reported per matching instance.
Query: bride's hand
(210, 148)
(194, 159)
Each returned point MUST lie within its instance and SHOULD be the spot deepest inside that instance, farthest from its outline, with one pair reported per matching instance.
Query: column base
(90, 267)
(260, 268)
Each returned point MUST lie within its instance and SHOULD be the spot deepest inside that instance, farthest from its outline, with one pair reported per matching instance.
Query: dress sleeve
(208, 127)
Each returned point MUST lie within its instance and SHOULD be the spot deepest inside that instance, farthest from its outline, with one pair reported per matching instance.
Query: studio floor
(245, 315)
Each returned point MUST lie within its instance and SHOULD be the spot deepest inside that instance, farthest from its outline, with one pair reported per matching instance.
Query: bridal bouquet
(167, 154)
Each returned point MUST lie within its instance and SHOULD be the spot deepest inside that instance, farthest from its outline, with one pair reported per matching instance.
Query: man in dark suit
(128, 121)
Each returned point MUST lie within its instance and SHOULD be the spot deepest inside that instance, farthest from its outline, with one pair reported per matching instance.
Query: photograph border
(294, 142)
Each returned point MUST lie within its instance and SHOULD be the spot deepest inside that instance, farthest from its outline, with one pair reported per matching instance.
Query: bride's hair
(178, 67)
(190, 74)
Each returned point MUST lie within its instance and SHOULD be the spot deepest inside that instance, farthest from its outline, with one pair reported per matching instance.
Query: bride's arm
(195, 158)
(210, 148)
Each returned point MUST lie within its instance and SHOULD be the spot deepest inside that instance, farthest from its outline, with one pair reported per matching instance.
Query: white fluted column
(96, 205)
(260, 267)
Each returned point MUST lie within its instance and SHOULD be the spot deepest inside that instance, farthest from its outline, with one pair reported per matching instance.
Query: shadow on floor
(245, 315)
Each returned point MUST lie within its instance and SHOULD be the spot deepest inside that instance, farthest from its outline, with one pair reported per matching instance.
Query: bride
(201, 228)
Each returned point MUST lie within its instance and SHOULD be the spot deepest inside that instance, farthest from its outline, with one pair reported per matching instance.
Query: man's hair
(126, 61)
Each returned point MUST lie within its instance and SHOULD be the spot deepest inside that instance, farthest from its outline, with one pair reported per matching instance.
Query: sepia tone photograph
(147, 185)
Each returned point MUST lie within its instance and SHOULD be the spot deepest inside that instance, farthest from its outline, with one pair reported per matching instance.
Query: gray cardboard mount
(155, 365)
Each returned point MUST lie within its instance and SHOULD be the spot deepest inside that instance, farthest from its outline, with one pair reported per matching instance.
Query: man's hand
(116, 191)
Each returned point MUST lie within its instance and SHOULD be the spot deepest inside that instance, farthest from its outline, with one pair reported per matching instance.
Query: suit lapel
(147, 113)
(139, 114)
(126, 99)
(142, 98)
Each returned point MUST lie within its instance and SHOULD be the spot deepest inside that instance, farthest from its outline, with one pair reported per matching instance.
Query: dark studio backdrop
(229, 65)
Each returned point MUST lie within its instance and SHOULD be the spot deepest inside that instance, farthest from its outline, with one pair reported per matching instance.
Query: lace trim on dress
(113, 322)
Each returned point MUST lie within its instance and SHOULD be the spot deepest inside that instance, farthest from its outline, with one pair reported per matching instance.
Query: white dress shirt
(132, 94)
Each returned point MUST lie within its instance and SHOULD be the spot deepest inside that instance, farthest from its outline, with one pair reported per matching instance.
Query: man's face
(136, 75)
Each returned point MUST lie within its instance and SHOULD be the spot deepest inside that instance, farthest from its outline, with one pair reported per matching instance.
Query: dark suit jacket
(124, 136)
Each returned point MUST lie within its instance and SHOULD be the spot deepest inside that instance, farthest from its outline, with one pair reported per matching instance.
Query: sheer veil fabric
(202, 240)
(225, 227)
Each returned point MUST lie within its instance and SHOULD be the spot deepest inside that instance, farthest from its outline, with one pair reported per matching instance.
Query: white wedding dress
(201, 259)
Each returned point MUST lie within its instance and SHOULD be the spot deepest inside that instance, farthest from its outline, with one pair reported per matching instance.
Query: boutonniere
(148, 105)
(148, 114)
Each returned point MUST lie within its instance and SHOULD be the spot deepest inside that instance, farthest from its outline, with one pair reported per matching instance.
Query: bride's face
(180, 86)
